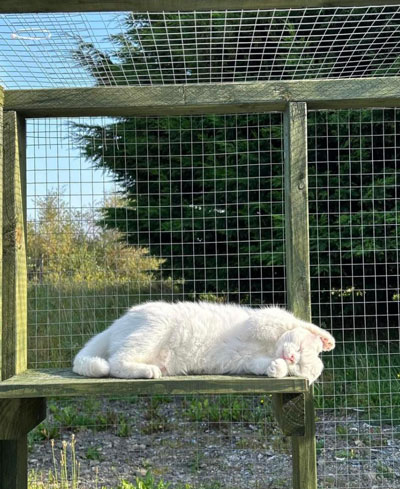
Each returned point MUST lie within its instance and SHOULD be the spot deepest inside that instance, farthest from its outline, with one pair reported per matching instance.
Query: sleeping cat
(156, 339)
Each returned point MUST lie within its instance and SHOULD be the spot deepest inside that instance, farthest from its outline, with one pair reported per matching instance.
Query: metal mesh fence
(354, 240)
(190, 442)
(120, 48)
(121, 212)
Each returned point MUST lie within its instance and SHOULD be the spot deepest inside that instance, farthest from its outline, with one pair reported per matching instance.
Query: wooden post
(298, 272)
(16, 417)
(14, 315)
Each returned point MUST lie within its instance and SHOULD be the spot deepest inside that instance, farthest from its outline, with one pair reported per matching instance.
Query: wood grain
(14, 463)
(204, 99)
(19, 416)
(14, 293)
(64, 383)
(296, 210)
(289, 413)
(304, 456)
(33, 6)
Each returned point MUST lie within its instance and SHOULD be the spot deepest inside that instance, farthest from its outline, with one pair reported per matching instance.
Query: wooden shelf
(64, 383)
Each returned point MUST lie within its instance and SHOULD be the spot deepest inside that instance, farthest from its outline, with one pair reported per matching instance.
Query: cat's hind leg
(128, 368)
(328, 341)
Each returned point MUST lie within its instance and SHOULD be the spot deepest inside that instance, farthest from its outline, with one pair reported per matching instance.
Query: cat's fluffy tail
(91, 361)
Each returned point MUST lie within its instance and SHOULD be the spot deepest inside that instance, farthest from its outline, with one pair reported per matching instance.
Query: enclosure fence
(224, 155)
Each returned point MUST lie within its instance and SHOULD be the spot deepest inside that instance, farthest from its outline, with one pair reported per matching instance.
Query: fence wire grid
(121, 48)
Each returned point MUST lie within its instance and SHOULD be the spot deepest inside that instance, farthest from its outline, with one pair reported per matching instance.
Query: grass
(363, 377)
(65, 474)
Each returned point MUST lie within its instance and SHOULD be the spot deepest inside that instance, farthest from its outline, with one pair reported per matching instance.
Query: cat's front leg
(267, 366)
(278, 368)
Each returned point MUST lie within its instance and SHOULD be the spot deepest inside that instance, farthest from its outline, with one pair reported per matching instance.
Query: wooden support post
(17, 416)
(298, 273)
(14, 328)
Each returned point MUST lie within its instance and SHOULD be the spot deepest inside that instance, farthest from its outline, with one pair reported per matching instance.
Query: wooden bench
(23, 406)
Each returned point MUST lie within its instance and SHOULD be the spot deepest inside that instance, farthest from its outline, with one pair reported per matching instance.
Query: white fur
(159, 338)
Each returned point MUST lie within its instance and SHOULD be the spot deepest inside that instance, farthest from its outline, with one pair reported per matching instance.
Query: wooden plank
(32, 6)
(14, 314)
(14, 463)
(296, 210)
(1, 219)
(196, 99)
(64, 383)
(19, 416)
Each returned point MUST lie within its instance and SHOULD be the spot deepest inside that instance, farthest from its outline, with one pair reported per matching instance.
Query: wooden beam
(13, 463)
(1, 221)
(63, 382)
(298, 272)
(19, 416)
(14, 314)
(289, 413)
(196, 99)
(296, 211)
(37, 6)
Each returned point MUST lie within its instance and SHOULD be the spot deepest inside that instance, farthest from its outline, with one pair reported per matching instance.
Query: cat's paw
(152, 372)
(277, 368)
(328, 342)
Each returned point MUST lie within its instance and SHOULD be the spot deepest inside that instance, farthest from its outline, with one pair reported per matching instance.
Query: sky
(35, 52)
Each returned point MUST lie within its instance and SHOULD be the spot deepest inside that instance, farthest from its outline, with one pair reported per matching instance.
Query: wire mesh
(354, 240)
(202, 442)
(120, 48)
(122, 212)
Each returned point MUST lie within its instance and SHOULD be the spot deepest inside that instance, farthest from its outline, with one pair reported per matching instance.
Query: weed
(124, 428)
(93, 453)
(385, 472)
(341, 429)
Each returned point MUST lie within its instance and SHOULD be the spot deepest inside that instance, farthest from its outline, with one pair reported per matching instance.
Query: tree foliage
(68, 247)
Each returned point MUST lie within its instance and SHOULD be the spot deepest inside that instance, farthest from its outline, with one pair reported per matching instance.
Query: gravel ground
(166, 439)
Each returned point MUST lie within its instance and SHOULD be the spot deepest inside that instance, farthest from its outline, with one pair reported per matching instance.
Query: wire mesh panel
(122, 212)
(189, 442)
(354, 231)
(120, 48)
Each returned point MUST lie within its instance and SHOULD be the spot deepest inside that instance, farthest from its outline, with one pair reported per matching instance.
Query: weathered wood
(14, 463)
(19, 416)
(296, 210)
(196, 99)
(289, 413)
(32, 6)
(1, 218)
(63, 382)
(298, 273)
(304, 449)
(14, 314)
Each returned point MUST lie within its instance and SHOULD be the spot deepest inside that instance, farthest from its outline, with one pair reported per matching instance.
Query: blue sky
(35, 52)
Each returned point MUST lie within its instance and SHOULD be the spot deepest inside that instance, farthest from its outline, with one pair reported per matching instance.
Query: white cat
(160, 338)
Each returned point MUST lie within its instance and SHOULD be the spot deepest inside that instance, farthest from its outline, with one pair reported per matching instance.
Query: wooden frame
(23, 392)
(292, 398)
(37, 6)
